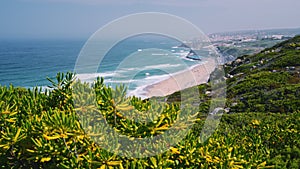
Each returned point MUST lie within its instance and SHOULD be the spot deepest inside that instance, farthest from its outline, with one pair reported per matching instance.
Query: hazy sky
(81, 18)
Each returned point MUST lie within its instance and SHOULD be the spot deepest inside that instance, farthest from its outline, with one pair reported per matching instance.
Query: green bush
(45, 130)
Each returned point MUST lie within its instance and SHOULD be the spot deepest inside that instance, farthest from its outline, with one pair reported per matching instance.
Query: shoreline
(196, 75)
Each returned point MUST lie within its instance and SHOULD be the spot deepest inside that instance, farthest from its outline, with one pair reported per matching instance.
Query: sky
(81, 18)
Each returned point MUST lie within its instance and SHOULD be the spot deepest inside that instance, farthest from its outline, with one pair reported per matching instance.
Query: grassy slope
(265, 82)
(268, 81)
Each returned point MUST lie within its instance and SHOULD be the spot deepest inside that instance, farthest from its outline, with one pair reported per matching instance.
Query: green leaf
(17, 135)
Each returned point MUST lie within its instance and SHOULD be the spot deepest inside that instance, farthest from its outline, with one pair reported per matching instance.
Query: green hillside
(266, 82)
(61, 128)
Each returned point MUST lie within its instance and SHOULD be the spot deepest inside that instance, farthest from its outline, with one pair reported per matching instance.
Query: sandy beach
(197, 75)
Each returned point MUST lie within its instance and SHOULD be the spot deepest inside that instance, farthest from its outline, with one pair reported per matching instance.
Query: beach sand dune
(197, 75)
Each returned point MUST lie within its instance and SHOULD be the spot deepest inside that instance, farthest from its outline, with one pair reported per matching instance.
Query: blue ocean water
(136, 61)
(27, 63)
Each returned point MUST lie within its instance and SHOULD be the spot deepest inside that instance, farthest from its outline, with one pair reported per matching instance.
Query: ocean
(136, 62)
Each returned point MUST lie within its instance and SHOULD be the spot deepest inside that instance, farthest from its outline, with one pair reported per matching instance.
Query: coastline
(196, 75)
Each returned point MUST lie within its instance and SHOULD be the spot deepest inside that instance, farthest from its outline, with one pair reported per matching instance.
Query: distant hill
(284, 31)
(234, 44)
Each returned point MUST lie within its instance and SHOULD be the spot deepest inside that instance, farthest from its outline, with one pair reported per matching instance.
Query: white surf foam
(161, 66)
(90, 77)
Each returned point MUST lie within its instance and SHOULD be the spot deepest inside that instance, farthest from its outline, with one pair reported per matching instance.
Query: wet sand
(197, 75)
